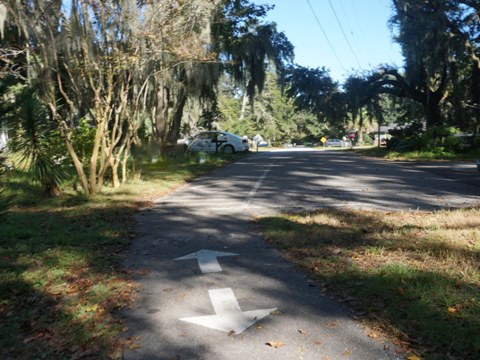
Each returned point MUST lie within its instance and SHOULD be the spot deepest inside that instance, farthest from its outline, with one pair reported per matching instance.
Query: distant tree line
(437, 91)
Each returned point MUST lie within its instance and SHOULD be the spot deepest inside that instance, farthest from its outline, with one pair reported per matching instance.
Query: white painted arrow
(229, 317)
(207, 260)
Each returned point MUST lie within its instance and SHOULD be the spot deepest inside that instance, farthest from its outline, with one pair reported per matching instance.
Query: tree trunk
(360, 128)
(53, 190)
(97, 145)
(174, 133)
(126, 156)
(161, 113)
(114, 167)
(124, 168)
(76, 161)
(476, 91)
(433, 112)
(244, 106)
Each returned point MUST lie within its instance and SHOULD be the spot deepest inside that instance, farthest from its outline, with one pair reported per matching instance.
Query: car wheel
(228, 149)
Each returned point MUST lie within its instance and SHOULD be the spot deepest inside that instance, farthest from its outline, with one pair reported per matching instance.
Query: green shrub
(443, 139)
(407, 143)
(439, 140)
(83, 139)
(367, 140)
(36, 140)
(4, 200)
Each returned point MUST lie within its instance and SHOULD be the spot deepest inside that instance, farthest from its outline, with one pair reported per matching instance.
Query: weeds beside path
(383, 152)
(60, 279)
(415, 275)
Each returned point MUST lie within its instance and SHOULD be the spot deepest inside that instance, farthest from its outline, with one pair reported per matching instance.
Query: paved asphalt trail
(214, 212)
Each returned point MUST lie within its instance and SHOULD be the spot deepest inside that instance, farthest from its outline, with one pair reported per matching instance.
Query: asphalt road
(230, 307)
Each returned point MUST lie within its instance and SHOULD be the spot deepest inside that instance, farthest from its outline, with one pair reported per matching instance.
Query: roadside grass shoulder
(471, 155)
(61, 281)
(414, 275)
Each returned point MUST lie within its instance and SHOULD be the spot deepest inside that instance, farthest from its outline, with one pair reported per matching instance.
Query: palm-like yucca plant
(34, 141)
(3, 199)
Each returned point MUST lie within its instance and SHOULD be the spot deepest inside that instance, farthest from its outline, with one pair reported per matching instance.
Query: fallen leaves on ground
(414, 357)
(131, 342)
(347, 352)
(388, 265)
(373, 334)
(275, 344)
(91, 308)
(455, 309)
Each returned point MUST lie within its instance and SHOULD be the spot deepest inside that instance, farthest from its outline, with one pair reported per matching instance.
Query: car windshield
(206, 136)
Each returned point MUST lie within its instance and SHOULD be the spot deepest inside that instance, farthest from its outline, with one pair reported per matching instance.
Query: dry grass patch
(415, 274)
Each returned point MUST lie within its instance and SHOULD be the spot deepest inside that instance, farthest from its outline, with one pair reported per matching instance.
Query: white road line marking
(228, 317)
(258, 184)
(224, 301)
(207, 260)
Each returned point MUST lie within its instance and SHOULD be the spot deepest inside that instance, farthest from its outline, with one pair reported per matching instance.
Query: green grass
(413, 275)
(419, 155)
(60, 279)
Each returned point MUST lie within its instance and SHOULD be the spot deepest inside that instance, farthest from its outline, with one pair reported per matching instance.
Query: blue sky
(366, 44)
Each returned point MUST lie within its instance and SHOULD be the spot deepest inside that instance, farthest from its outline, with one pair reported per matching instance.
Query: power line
(352, 3)
(346, 18)
(350, 28)
(326, 37)
(343, 32)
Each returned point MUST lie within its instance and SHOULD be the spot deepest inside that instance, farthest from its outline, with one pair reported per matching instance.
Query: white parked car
(334, 142)
(221, 141)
